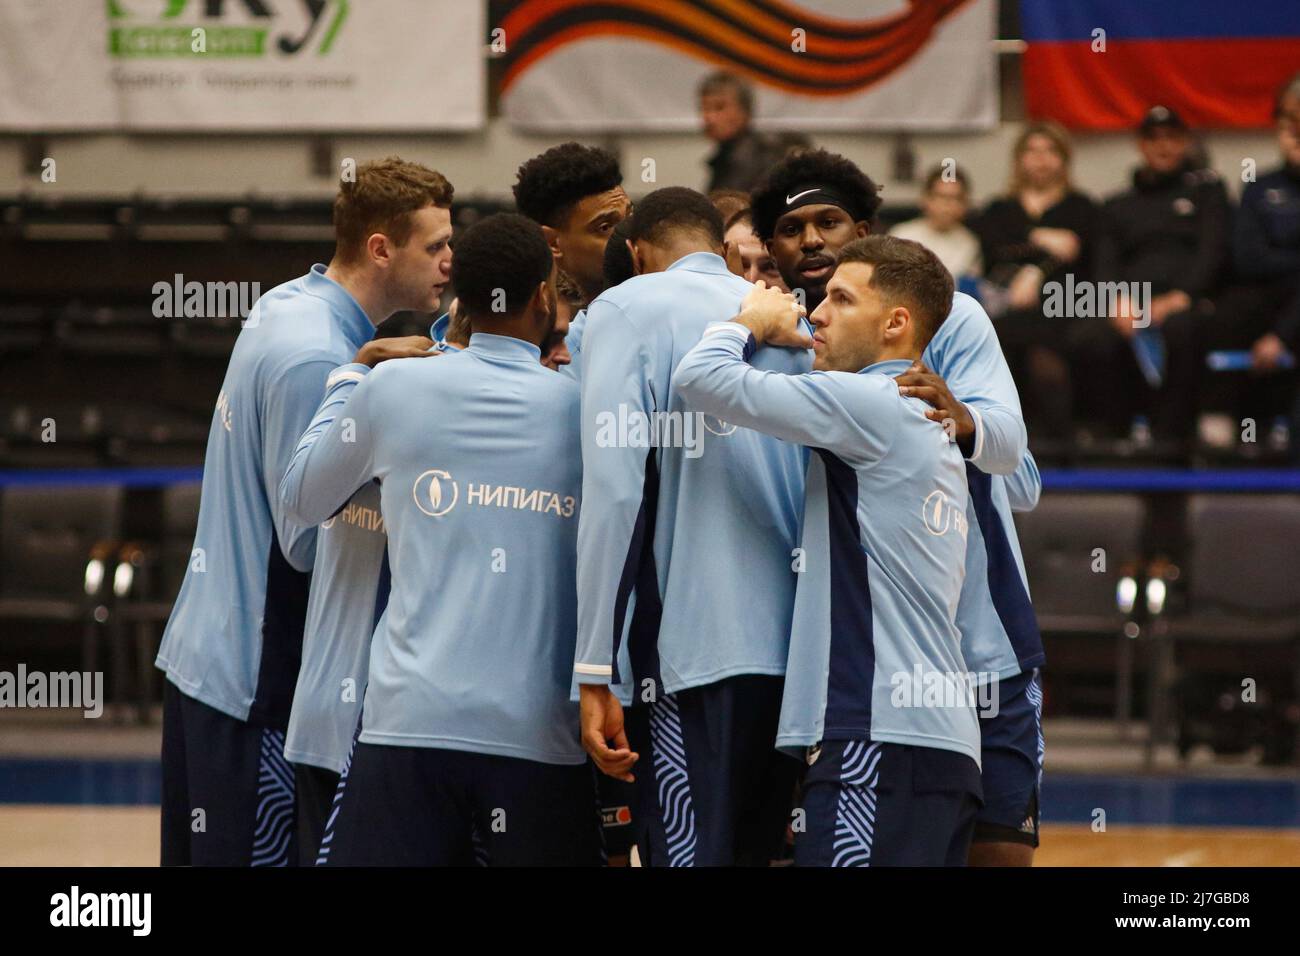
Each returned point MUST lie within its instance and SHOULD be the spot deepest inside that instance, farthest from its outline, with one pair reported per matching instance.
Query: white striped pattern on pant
(675, 806)
(327, 837)
(1035, 694)
(855, 811)
(273, 832)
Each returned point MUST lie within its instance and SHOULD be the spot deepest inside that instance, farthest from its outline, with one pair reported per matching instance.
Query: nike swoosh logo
(790, 199)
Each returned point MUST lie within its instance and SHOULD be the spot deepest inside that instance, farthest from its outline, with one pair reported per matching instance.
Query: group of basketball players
(680, 534)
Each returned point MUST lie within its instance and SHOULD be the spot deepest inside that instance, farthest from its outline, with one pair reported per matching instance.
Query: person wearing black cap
(1168, 232)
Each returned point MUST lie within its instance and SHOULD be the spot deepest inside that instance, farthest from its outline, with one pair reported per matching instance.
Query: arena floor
(73, 794)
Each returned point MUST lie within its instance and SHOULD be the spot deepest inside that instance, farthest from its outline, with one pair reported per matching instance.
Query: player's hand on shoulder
(919, 382)
(381, 350)
(773, 317)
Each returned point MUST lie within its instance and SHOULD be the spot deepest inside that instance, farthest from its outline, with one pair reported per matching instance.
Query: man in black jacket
(1169, 234)
(743, 156)
(1259, 311)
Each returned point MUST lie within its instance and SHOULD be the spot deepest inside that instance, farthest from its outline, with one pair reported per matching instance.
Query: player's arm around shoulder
(305, 487)
(288, 393)
(848, 414)
(964, 376)
(335, 453)
(619, 367)
(711, 375)
(1024, 485)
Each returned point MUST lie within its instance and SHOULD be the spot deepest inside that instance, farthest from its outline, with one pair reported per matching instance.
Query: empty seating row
(105, 563)
(1095, 569)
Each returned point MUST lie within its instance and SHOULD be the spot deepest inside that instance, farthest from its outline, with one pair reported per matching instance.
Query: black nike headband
(810, 194)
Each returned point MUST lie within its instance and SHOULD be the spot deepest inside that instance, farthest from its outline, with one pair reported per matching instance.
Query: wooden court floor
(38, 835)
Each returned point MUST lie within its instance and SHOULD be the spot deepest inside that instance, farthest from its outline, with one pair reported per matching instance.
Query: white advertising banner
(247, 65)
(815, 64)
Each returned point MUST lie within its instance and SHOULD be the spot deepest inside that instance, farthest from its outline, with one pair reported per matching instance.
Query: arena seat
(48, 536)
(1240, 585)
(206, 338)
(1059, 540)
(103, 333)
(77, 433)
(22, 329)
(159, 568)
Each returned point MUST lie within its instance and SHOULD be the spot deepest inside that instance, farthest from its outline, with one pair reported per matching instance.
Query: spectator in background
(1170, 229)
(1038, 233)
(945, 200)
(1267, 238)
(1262, 310)
(743, 156)
(747, 256)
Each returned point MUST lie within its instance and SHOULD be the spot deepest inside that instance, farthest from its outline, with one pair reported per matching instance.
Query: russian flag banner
(1100, 64)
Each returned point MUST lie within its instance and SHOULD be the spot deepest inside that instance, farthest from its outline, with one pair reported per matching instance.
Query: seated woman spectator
(945, 200)
(1036, 234)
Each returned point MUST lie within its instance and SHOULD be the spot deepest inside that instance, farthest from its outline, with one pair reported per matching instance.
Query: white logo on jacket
(941, 516)
(223, 410)
(431, 496)
(436, 493)
(724, 428)
(359, 516)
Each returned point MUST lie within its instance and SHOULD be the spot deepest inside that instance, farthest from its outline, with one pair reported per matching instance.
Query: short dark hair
(729, 201)
(720, 81)
(910, 273)
(618, 266)
(670, 209)
(937, 173)
(504, 251)
(550, 185)
(745, 215)
(804, 167)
